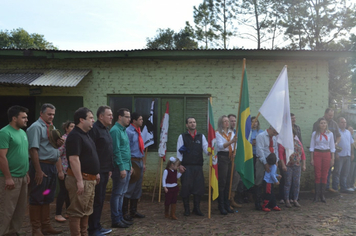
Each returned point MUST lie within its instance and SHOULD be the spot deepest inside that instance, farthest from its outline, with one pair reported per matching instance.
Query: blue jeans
(340, 173)
(100, 192)
(119, 188)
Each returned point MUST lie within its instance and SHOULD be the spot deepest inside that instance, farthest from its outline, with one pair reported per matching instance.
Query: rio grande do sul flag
(213, 157)
(164, 134)
(244, 154)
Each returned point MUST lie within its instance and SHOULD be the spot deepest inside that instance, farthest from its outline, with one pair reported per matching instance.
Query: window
(180, 107)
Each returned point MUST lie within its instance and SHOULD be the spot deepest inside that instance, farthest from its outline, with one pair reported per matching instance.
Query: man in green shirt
(13, 171)
(122, 168)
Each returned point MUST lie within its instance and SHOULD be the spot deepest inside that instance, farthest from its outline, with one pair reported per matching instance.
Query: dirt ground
(336, 217)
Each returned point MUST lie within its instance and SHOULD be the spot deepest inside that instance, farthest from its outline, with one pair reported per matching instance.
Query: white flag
(147, 136)
(164, 134)
(276, 110)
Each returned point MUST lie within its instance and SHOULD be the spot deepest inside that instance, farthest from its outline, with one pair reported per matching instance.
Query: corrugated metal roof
(43, 77)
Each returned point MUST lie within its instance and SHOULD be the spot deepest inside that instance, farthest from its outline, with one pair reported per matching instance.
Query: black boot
(125, 210)
(322, 192)
(227, 202)
(257, 197)
(133, 209)
(196, 208)
(317, 192)
(186, 206)
(221, 203)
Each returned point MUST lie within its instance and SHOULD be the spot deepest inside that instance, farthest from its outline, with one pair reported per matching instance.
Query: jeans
(100, 192)
(119, 188)
(340, 173)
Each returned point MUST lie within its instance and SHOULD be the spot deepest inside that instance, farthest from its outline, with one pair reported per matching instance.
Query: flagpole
(237, 124)
(210, 166)
(160, 182)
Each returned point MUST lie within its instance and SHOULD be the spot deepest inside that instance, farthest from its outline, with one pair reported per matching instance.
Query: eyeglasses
(128, 117)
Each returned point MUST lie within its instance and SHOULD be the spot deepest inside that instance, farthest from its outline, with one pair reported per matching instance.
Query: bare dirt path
(336, 217)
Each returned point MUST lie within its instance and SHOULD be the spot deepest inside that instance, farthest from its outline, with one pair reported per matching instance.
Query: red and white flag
(164, 134)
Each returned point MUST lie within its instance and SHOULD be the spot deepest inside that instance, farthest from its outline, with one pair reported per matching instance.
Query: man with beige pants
(82, 173)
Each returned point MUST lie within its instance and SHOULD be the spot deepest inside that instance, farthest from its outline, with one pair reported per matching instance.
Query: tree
(223, 13)
(204, 23)
(168, 39)
(313, 24)
(20, 38)
(262, 16)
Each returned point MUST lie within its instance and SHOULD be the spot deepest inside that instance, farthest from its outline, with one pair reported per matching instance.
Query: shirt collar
(100, 125)
(120, 126)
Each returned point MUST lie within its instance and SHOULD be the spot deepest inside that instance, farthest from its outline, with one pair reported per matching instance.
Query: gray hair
(47, 105)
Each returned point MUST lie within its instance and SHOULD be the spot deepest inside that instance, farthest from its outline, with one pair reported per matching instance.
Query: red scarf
(271, 149)
(140, 140)
(193, 136)
(48, 125)
(325, 136)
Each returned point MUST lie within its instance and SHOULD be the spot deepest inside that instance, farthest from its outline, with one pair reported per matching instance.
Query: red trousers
(321, 166)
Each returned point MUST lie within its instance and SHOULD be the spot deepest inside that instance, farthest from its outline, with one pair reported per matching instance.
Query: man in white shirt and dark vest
(190, 148)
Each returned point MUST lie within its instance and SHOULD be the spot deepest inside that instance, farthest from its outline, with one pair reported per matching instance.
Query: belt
(48, 162)
(84, 175)
(319, 150)
(136, 159)
(223, 153)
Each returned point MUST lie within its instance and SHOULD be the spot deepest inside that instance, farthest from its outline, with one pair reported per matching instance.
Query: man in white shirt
(190, 148)
(343, 159)
(266, 143)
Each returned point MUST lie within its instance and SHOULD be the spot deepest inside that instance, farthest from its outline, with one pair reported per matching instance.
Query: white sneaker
(350, 189)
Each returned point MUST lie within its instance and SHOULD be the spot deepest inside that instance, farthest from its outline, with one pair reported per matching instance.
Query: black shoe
(258, 206)
(127, 222)
(128, 218)
(229, 210)
(186, 206)
(119, 224)
(137, 215)
(197, 212)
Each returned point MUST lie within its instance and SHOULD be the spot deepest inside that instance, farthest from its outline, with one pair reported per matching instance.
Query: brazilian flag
(244, 154)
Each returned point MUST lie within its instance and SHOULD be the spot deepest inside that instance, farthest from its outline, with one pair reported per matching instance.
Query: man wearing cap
(43, 172)
(134, 190)
(82, 173)
(122, 168)
(13, 171)
(190, 148)
(103, 143)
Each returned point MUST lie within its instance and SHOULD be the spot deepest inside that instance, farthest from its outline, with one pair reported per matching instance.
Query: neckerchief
(325, 136)
(141, 146)
(195, 133)
(271, 149)
(48, 126)
(228, 138)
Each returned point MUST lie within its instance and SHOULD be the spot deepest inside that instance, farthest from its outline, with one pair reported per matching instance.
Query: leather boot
(227, 203)
(84, 225)
(133, 209)
(221, 203)
(173, 212)
(125, 210)
(35, 219)
(74, 226)
(322, 192)
(46, 221)
(186, 206)
(196, 208)
(166, 211)
(232, 201)
(257, 197)
(317, 192)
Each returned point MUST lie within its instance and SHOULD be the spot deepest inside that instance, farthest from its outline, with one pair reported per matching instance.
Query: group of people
(89, 153)
(82, 160)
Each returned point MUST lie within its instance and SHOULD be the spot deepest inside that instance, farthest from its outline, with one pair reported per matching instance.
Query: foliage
(204, 24)
(21, 39)
(313, 24)
(168, 39)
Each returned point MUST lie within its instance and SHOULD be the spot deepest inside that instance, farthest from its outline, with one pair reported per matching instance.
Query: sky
(96, 25)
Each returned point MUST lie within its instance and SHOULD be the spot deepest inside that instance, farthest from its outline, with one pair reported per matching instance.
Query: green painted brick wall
(308, 85)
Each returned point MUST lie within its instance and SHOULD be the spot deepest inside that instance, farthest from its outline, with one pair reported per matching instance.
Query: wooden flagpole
(210, 160)
(160, 182)
(154, 189)
(237, 125)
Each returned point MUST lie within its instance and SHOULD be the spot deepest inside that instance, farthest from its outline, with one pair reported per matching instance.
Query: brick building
(186, 79)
